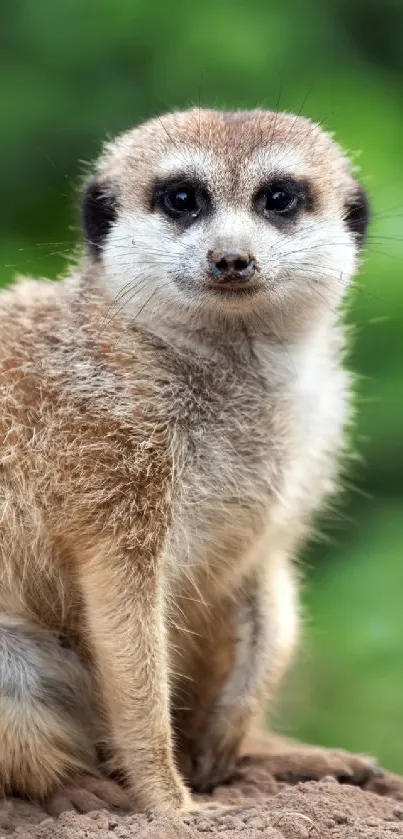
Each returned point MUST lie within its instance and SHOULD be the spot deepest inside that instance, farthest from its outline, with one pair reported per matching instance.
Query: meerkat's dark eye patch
(99, 212)
(281, 199)
(357, 213)
(182, 199)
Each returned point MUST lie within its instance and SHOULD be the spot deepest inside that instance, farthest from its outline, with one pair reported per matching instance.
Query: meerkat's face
(213, 215)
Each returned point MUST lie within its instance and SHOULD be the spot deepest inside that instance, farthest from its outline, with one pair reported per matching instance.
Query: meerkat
(172, 414)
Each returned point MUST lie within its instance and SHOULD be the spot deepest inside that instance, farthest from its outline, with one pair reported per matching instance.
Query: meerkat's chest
(260, 459)
(233, 456)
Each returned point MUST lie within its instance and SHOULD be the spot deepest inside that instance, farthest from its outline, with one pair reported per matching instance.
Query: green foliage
(348, 685)
(73, 72)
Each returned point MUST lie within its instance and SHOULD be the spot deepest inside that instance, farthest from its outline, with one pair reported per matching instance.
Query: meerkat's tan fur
(162, 449)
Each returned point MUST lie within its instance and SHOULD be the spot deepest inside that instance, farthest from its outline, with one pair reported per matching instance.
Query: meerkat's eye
(181, 200)
(280, 197)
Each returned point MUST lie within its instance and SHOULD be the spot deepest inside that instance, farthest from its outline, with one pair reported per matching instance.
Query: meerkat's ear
(357, 213)
(98, 213)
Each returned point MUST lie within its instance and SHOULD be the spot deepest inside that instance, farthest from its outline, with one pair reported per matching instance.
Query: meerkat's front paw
(87, 793)
(214, 756)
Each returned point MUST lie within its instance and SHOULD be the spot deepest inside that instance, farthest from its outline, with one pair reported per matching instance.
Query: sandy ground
(260, 806)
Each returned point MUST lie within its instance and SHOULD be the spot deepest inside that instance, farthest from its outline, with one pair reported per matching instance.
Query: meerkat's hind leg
(292, 761)
(47, 743)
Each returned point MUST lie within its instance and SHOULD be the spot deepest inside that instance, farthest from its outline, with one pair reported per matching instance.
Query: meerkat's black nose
(231, 265)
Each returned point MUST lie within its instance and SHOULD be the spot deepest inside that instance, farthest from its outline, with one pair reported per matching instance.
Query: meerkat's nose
(225, 265)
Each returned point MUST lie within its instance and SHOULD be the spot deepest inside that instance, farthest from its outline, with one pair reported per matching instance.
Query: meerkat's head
(210, 217)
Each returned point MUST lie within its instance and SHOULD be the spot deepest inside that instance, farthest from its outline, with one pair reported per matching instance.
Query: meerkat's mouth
(231, 290)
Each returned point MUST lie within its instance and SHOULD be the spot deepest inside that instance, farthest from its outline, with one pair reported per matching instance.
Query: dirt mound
(262, 807)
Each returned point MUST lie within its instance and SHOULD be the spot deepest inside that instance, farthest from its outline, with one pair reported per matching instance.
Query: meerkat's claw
(86, 794)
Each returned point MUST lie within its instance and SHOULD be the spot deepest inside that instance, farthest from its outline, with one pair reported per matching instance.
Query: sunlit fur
(162, 450)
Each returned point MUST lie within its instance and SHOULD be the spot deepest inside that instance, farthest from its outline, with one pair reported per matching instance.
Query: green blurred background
(73, 72)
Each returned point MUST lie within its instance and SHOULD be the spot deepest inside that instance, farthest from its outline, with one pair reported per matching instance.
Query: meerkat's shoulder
(30, 304)
(26, 295)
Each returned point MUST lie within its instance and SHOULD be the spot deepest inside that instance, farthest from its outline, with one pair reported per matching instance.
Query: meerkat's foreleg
(265, 619)
(124, 602)
(47, 741)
